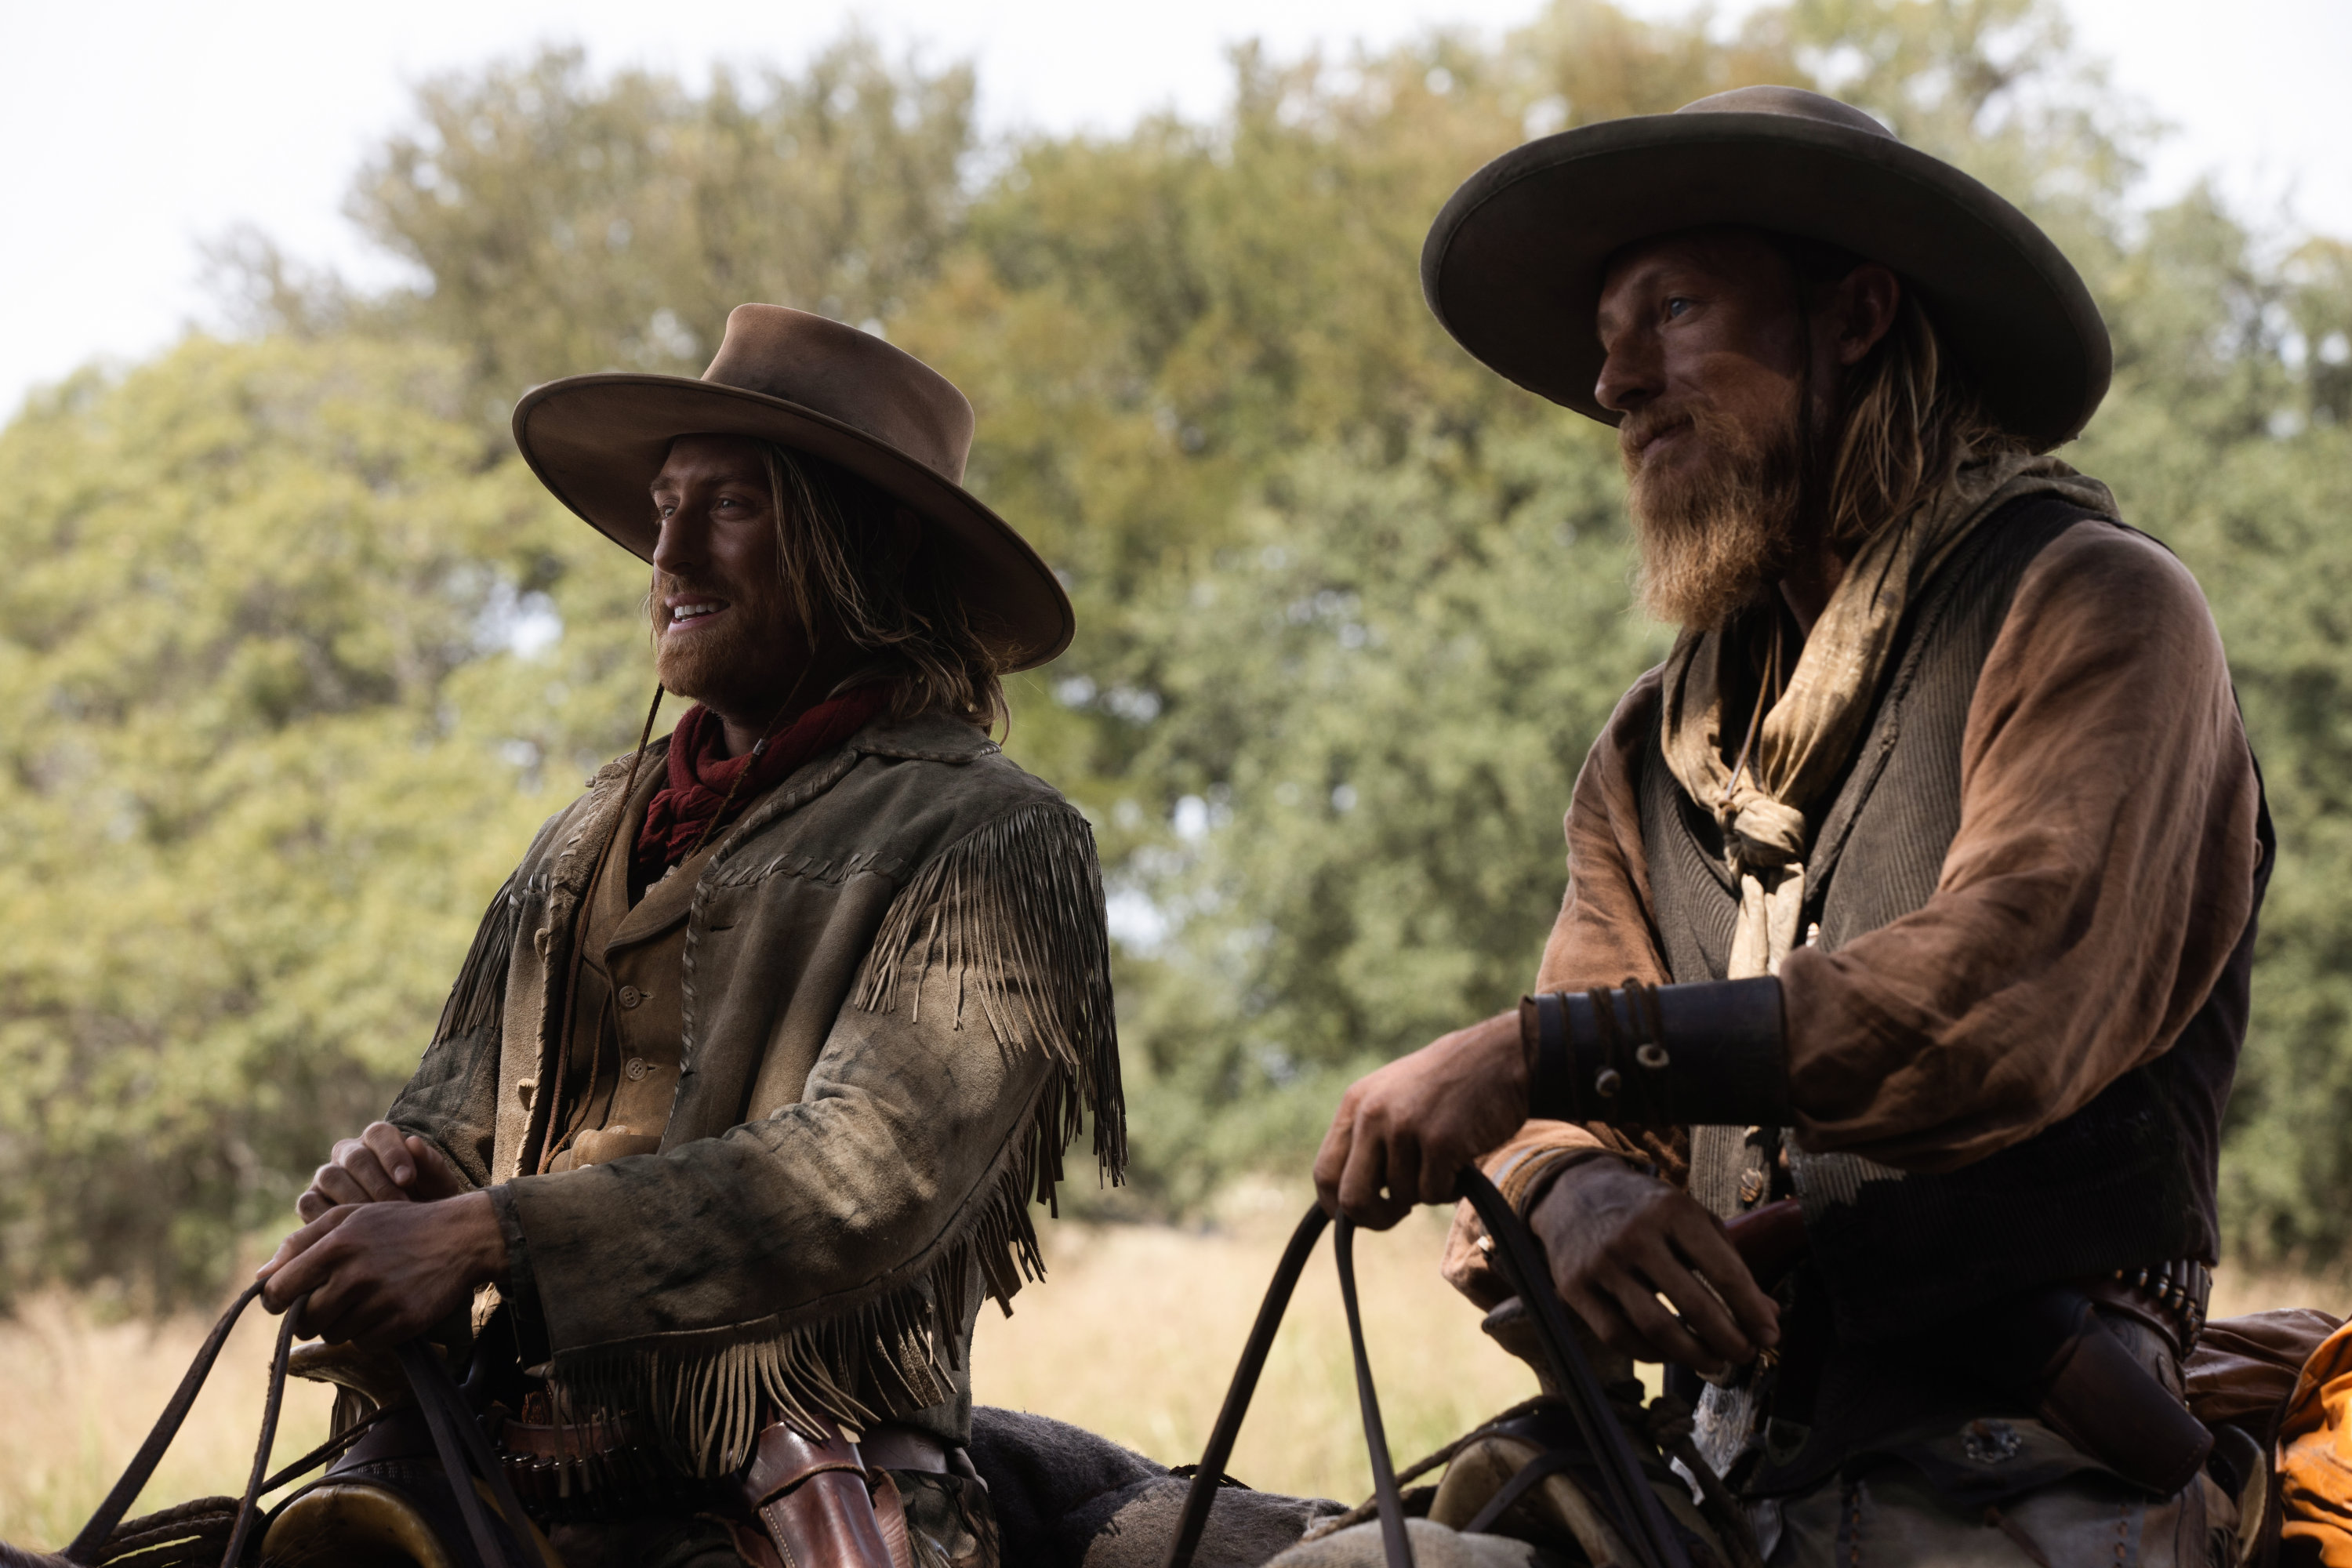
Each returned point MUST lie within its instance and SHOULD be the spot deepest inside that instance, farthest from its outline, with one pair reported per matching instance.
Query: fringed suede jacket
(895, 1006)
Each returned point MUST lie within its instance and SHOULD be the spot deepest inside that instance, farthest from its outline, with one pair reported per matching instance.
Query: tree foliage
(571, 223)
(245, 828)
(1351, 608)
(2227, 438)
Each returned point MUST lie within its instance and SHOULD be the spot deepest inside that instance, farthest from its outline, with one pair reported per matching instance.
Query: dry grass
(1135, 1333)
(2239, 1291)
(1134, 1336)
(77, 1396)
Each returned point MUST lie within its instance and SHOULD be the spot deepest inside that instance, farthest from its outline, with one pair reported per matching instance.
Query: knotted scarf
(1808, 736)
(688, 809)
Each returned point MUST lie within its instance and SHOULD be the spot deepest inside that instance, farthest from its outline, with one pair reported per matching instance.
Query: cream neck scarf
(1806, 739)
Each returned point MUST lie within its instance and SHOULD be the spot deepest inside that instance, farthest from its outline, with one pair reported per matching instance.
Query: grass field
(1134, 1336)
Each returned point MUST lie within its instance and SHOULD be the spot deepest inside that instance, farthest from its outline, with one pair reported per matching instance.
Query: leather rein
(458, 1439)
(1631, 1506)
(461, 1446)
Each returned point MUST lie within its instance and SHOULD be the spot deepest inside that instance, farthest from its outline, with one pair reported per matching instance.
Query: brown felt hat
(1513, 266)
(815, 386)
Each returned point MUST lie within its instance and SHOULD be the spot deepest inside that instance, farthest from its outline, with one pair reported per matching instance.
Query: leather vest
(2127, 1180)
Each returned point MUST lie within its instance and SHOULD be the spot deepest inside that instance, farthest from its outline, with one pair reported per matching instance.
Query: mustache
(666, 587)
(1643, 426)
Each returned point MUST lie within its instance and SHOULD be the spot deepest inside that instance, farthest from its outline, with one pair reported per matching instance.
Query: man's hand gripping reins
(1650, 1272)
(393, 1241)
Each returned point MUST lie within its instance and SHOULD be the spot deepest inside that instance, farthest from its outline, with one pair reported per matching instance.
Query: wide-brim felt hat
(1513, 266)
(815, 386)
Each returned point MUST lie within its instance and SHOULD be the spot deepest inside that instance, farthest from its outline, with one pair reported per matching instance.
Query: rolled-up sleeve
(2103, 872)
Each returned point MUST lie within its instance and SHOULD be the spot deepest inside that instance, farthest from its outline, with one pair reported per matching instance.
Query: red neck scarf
(687, 811)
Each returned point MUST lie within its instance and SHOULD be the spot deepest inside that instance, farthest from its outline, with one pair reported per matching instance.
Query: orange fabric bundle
(2314, 1447)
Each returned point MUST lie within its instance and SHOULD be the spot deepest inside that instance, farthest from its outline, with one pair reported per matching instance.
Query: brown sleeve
(1603, 934)
(2103, 872)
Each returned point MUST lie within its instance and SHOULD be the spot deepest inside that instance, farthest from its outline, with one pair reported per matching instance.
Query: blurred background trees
(566, 220)
(301, 652)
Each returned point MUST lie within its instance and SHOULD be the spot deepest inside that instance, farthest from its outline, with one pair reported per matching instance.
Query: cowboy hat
(815, 386)
(1513, 266)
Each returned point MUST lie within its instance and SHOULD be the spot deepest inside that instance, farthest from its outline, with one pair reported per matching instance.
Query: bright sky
(137, 129)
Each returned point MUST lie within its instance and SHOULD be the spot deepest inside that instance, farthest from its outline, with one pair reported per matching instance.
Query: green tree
(572, 225)
(1351, 608)
(248, 829)
(2226, 438)
(1153, 326)
(1379, 694)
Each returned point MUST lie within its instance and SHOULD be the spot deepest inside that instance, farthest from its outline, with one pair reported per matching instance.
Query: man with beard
(761, 1054)
(1917, 886)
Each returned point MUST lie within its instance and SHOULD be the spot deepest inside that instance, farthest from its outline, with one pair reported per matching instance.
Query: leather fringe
(704, 1396)
(1014, 912)
(478, 1001)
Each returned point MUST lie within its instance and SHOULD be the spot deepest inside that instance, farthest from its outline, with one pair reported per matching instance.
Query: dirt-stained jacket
(897, 1004)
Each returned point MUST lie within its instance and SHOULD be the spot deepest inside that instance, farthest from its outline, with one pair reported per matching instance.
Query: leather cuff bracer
(1709, 1054)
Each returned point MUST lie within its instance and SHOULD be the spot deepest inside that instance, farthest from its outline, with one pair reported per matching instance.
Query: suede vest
(625, 1023)
(2127, 1180)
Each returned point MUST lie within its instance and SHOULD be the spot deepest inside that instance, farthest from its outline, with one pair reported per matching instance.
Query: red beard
(1719, 521)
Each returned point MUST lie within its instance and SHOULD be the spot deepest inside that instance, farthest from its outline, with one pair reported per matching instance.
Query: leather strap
(1532, 1474)
(893, 1446)
(91, 1545)
(85, 1547)
(458, 1439)
(1211, 1470)
(272, 1403)
(1543, 1030)
(598, 1436)
(456, 1436)
(1634, 1508)
(1640, 1518)
(1394, 1538)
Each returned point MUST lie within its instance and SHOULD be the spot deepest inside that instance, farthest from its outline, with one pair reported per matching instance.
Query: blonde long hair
(1909, 413)
(853, 553)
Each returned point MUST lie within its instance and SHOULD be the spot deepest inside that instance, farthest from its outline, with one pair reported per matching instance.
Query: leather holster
(2049, 1349)
(818, 1505)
